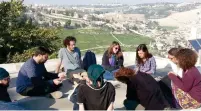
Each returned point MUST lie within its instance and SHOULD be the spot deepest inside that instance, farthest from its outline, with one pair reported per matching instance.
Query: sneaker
(56, 94)
(73, 95)
(158, 78)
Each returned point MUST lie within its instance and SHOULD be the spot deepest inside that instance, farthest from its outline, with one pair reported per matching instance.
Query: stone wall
(129, 60)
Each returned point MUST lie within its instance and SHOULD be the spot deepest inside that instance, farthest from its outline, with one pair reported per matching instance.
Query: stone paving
(43, 103)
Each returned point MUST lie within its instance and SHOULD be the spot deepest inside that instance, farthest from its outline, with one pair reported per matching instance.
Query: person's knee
(130, 105)
(125, 102)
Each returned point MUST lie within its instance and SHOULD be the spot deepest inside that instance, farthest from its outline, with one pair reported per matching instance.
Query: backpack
(89, 59)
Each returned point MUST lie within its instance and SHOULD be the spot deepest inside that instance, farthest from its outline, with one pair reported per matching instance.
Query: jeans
(41, 90)
(11, 106)
(109, 75)
(73, 99)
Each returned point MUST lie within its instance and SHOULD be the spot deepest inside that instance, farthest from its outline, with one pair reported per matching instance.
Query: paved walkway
(43, 103)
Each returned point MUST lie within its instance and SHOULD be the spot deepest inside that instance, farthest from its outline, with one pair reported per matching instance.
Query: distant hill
(180, 19)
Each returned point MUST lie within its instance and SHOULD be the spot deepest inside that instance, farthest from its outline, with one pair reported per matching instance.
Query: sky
(78, 2)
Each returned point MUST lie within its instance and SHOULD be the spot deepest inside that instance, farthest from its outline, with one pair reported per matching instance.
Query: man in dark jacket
(34, 80)
(4, 84)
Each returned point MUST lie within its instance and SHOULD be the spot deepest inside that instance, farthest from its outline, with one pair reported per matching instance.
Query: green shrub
(19, 35)
(22, 57)
(53, 55)
(28, 54)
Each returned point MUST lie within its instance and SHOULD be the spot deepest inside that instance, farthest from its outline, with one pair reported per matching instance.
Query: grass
(169, 28)
(90, 38)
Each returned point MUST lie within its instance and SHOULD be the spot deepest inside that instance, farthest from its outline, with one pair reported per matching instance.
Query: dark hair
(110, 49)
(123, 74)
(144, 48)
(68, 39)
(41, 51)
(186, 58)
(174, 51)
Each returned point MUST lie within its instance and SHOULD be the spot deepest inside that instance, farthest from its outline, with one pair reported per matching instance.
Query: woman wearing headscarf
(96, 94)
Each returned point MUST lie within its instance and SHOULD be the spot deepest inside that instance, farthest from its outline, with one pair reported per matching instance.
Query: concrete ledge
(12, 68)
(129, 59)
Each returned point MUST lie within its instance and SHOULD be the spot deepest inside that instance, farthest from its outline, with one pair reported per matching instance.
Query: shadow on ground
(42, 103)
(34, 103)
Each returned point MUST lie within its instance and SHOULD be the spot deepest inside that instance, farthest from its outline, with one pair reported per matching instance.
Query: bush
(22, 57)
(53, 55)
(19, 35)
(28, 54)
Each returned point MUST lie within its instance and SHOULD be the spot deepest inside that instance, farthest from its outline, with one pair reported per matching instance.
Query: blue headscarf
(95, 73)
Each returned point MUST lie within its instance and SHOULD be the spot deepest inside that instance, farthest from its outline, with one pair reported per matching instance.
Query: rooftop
(43, 103)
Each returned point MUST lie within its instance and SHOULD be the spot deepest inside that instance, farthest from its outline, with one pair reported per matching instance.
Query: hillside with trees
(19, 36)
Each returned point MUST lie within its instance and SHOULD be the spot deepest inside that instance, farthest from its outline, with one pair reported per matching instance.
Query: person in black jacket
(141, 89)
(4, 84)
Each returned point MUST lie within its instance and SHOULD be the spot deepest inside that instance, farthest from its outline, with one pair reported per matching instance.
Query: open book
(177, 70)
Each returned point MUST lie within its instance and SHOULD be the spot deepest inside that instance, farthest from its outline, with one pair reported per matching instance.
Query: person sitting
(112, 60)
(187, 88)
(96, 94)
(166, 84)
(145, 62)
(34, 80)
(4, 84)
(70, 58)
(142, 89)
(171, 56)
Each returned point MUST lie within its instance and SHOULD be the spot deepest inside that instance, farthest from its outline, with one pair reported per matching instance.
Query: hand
(171, 73)
(85, 78)
(57, 81)
(136, 69)
(62, 76)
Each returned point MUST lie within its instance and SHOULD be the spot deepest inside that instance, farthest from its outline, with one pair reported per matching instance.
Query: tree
(67, 13)
(84, 25)
(18, 33)
(80, 16)
(77, 25)
(67, 24)
(72, 13)
(135, 27)
(107, 21)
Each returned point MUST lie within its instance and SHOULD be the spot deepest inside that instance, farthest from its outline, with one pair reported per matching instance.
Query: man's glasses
(7, 79)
